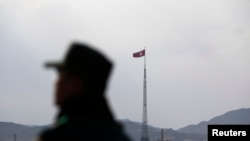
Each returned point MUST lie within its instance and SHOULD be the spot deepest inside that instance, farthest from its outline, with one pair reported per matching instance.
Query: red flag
(139, 54)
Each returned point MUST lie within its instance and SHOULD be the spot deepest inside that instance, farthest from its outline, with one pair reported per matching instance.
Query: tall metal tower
(144, 128)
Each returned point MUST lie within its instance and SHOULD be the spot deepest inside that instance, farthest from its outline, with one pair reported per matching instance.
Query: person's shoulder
(63, 132)
(82, 130)
(114, 132)
(111, 131)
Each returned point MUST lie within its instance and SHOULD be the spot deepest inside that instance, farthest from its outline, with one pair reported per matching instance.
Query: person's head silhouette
(79, 95)
(83, 71)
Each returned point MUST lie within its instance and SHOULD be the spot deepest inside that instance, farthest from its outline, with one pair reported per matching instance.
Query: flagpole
(144, 131)
(145, 92)
(144, 135)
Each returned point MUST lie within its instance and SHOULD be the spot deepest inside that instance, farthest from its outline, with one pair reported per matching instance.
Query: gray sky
(197, 56)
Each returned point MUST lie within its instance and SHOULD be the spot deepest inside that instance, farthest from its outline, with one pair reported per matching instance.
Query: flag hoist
(144, 130)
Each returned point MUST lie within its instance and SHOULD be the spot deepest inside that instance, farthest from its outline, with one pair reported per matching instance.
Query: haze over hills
(240, 116)
(22, 132)
(133, 129)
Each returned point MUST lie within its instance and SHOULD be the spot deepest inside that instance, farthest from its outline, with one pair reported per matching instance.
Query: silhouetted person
(84, 114)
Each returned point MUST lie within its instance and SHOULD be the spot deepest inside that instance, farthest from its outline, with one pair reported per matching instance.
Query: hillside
(133, 129)
(240, 116)
(23, 132)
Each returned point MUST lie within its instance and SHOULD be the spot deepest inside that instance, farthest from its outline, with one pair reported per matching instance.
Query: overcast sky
(197, 56)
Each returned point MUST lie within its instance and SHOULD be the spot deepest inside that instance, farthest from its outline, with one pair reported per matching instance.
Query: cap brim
(54, 64)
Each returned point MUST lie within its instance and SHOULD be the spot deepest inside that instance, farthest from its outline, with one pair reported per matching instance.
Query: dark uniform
(86, 116)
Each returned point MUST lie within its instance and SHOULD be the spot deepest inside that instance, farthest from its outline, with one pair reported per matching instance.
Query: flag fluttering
(139, 54)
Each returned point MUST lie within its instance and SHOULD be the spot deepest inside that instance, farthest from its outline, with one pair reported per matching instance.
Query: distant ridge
(24, 132)
(240, 116)
(133, 129)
